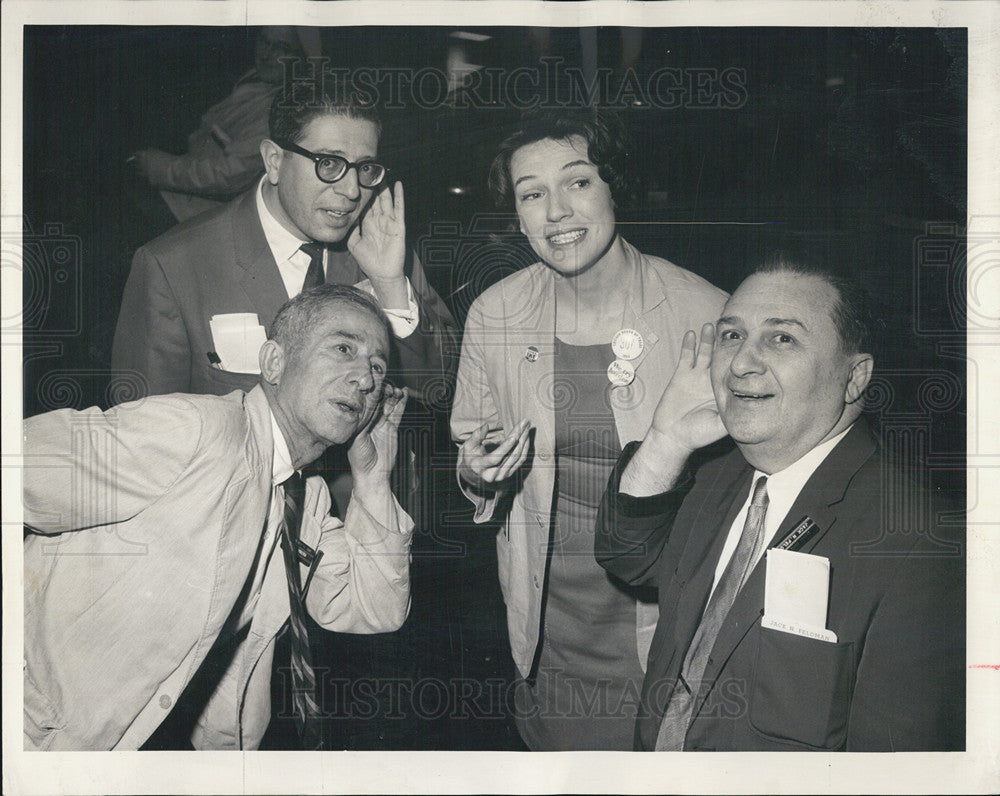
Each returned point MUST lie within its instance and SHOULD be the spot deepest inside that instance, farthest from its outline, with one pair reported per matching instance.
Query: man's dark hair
(300, 314)
(608, 147)
(291, 113)
(853, 313)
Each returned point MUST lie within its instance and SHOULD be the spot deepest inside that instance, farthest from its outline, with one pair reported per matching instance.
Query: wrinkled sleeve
(224, 167)
(91, 468)
(632, 532)
(362, 581)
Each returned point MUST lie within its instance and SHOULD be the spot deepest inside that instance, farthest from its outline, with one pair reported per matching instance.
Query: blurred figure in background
(223, 155)
(562, 363)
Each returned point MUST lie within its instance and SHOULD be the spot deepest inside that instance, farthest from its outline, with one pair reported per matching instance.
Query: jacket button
(165, 702)
(543, 456)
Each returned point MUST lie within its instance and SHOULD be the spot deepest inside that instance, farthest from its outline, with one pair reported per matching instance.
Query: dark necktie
(314, 276)
(303, 676)
(673, 728)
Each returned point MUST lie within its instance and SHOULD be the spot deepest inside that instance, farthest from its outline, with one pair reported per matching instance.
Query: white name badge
(621, 373)
(627, 344)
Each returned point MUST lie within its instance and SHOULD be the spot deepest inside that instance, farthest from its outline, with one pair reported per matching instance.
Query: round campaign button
(621, 373)
(627, 344)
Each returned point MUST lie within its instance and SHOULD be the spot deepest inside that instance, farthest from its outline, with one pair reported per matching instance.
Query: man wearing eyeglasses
(203, 295)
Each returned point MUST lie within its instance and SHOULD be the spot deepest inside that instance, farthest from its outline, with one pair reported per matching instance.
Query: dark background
(850, 140)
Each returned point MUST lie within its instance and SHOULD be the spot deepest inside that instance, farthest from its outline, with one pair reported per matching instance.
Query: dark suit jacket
(895, 679)
(220, 262)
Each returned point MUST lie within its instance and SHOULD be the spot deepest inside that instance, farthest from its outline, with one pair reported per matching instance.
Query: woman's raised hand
(489, 456)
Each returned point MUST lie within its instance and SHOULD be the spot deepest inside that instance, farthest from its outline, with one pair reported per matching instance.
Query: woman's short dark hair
(609, 147)
(292, 110)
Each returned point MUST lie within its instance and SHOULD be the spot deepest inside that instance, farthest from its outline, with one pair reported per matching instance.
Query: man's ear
(271, 154)
(861, 374)
(272, 362)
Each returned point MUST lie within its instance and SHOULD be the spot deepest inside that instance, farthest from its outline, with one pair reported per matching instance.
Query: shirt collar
(281, 464)
(783, 487)
(282, 242)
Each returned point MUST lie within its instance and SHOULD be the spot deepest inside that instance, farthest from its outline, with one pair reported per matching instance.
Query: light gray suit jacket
(147, 520)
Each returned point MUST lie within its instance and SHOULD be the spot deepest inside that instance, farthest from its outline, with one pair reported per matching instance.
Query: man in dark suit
(246, 257)
(800, 608)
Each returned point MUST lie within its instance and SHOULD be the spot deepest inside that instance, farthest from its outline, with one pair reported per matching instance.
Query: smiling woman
(562, 364)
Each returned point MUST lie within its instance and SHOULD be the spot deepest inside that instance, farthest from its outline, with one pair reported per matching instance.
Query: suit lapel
(696, 569)
(257, 272)
(529, 326)
(818, 500)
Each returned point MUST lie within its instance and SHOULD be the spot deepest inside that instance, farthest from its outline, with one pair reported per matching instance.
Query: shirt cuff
(650, 505)
(403, 322)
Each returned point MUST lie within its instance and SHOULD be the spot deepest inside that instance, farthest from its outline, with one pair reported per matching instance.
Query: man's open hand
(685, 419)
(373, 451)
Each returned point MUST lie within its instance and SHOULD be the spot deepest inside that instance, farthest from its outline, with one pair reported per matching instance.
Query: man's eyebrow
(581, 162)
(354, 337)
(786, 322)
(344, 333)
(732, 320)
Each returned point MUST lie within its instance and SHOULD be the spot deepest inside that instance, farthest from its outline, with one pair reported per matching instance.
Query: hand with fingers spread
(373, 451)
(378, 243)
(489, 457)
(685, 419)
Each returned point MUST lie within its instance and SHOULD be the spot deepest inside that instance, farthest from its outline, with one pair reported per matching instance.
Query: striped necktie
(314, 276)
(303, 677)
(674, 726)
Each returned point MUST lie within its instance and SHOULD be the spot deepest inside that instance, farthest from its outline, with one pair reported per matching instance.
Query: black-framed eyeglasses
(332, 168)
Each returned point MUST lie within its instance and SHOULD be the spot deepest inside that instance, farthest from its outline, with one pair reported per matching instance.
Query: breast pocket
(802, 689)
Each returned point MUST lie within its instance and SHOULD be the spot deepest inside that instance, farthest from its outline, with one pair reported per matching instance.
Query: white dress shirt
(783, 488)
(293, 264)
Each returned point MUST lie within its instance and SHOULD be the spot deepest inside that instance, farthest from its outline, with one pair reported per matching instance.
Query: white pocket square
(237, 337)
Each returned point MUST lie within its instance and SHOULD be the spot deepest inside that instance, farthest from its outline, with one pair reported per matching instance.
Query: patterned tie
(314, 276)
(673, 728)
(303, 677)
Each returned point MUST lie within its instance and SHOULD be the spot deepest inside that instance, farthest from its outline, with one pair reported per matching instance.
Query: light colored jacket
(159, 506)
(223, 155)
(498, 383)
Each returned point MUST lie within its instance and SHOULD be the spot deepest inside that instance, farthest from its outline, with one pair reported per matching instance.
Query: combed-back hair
(854, 315)
(609, 147)
(300, 314)
(297, 104)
